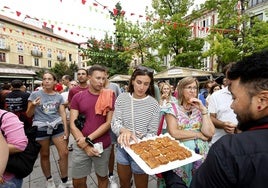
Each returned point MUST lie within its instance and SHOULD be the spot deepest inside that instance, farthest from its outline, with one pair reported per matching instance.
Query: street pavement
(37, 180)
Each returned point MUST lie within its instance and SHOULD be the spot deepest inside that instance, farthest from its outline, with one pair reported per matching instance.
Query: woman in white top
(136, 116)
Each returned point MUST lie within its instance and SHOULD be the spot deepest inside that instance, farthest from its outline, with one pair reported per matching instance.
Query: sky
(71, 18)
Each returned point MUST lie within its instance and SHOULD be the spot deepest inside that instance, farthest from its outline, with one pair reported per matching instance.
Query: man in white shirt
(221, 114)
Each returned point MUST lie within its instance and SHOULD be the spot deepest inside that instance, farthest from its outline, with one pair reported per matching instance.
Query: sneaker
(113, 184)
(50, 183)
(68, 184)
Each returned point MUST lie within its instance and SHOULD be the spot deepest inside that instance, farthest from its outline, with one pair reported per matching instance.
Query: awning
(16, 73)
(180, 72)
(119, 78)
(9, 71)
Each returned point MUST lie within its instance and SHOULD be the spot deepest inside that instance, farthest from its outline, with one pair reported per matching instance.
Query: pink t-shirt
(75, 90)
(13, 133)
(85, 103)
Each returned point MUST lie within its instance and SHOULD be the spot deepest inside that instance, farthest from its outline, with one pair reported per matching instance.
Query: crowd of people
(226, 123)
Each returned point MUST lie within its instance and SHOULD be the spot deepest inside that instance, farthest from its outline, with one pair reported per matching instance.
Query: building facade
(25, 48)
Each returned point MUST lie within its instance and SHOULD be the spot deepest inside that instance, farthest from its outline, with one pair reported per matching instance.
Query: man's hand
(229, 127)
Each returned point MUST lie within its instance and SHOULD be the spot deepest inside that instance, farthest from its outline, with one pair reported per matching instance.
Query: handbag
(21, 164)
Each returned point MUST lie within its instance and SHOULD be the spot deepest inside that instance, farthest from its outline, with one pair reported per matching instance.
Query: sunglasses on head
(145, 69)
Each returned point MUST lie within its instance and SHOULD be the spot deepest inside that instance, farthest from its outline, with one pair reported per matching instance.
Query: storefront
(9, 74)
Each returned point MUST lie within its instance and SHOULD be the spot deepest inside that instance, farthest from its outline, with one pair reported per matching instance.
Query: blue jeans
(123, 158)
(12, 183)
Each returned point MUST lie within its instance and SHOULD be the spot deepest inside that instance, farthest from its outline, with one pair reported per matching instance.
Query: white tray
(166, 167)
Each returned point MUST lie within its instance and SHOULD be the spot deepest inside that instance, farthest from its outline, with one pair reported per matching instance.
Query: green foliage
(240, 36)
(173, 33)
(62, 68)
(108, 52)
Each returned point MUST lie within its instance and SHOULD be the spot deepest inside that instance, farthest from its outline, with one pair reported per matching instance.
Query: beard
(245, 120)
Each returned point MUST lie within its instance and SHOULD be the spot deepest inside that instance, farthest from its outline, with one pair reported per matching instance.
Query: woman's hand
(37, 101)
(2, 181)
(198, 104)
(125, 137)
(201, 136)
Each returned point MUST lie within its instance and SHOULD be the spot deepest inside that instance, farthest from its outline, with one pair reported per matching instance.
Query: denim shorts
(43, 135)
(12, 183)
(124, 158)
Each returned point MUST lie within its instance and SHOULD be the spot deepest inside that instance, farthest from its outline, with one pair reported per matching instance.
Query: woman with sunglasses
(136, 116)
(190, 123)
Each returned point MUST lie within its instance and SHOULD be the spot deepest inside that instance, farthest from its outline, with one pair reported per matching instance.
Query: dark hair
(83, 70)
(52, 74)
(142, 71)
(67, 77)
(212, 88)
(16, 83)
(252, 71)
(207, 83)
(96, 68)
(6, 86)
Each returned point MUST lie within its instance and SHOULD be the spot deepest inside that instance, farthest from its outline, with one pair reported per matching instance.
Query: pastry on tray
(160, 151)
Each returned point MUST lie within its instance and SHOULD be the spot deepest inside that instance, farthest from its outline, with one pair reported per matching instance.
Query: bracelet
(204, 113)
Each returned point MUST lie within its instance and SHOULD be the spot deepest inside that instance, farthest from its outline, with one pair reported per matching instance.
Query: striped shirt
(146, 115)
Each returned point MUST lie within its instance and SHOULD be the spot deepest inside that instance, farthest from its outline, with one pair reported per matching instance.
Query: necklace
(188, 111)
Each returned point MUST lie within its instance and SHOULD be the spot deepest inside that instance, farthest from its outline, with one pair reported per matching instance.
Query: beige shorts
(82, 163)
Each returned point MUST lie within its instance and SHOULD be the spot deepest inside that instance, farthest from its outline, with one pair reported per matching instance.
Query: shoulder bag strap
(1, 122)
(160, 127)
(175, 109)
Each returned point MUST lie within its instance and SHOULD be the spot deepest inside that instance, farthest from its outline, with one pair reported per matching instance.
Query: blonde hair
(162, 86)
(181, 85)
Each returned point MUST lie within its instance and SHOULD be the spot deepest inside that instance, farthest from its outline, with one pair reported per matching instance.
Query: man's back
(17, 101)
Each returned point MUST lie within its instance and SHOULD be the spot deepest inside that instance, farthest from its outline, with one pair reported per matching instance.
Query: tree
(62, 68)
(173, 33)
(236, 34)
(107, 51)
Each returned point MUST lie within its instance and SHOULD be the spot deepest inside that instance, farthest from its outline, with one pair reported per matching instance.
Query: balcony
(5, 48)
(36, 53)
(61, 58)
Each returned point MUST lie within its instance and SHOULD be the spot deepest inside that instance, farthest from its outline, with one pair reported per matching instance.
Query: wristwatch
(89, 141)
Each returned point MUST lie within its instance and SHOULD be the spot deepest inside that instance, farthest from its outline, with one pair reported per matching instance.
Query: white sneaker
(68, 184)
(50, 183)
(113, 184)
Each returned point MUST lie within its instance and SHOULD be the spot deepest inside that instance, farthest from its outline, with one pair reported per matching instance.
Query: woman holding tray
(190, 123)
(136, 115)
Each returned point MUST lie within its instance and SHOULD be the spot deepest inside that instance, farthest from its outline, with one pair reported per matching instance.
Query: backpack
(21, 164)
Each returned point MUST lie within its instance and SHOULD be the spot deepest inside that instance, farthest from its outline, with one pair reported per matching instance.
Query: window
(2, 43)
(49, 63)
(20, 46)
(36, 62)
(49, 53)
(35, 48)
(21, 60)
(2, 57)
